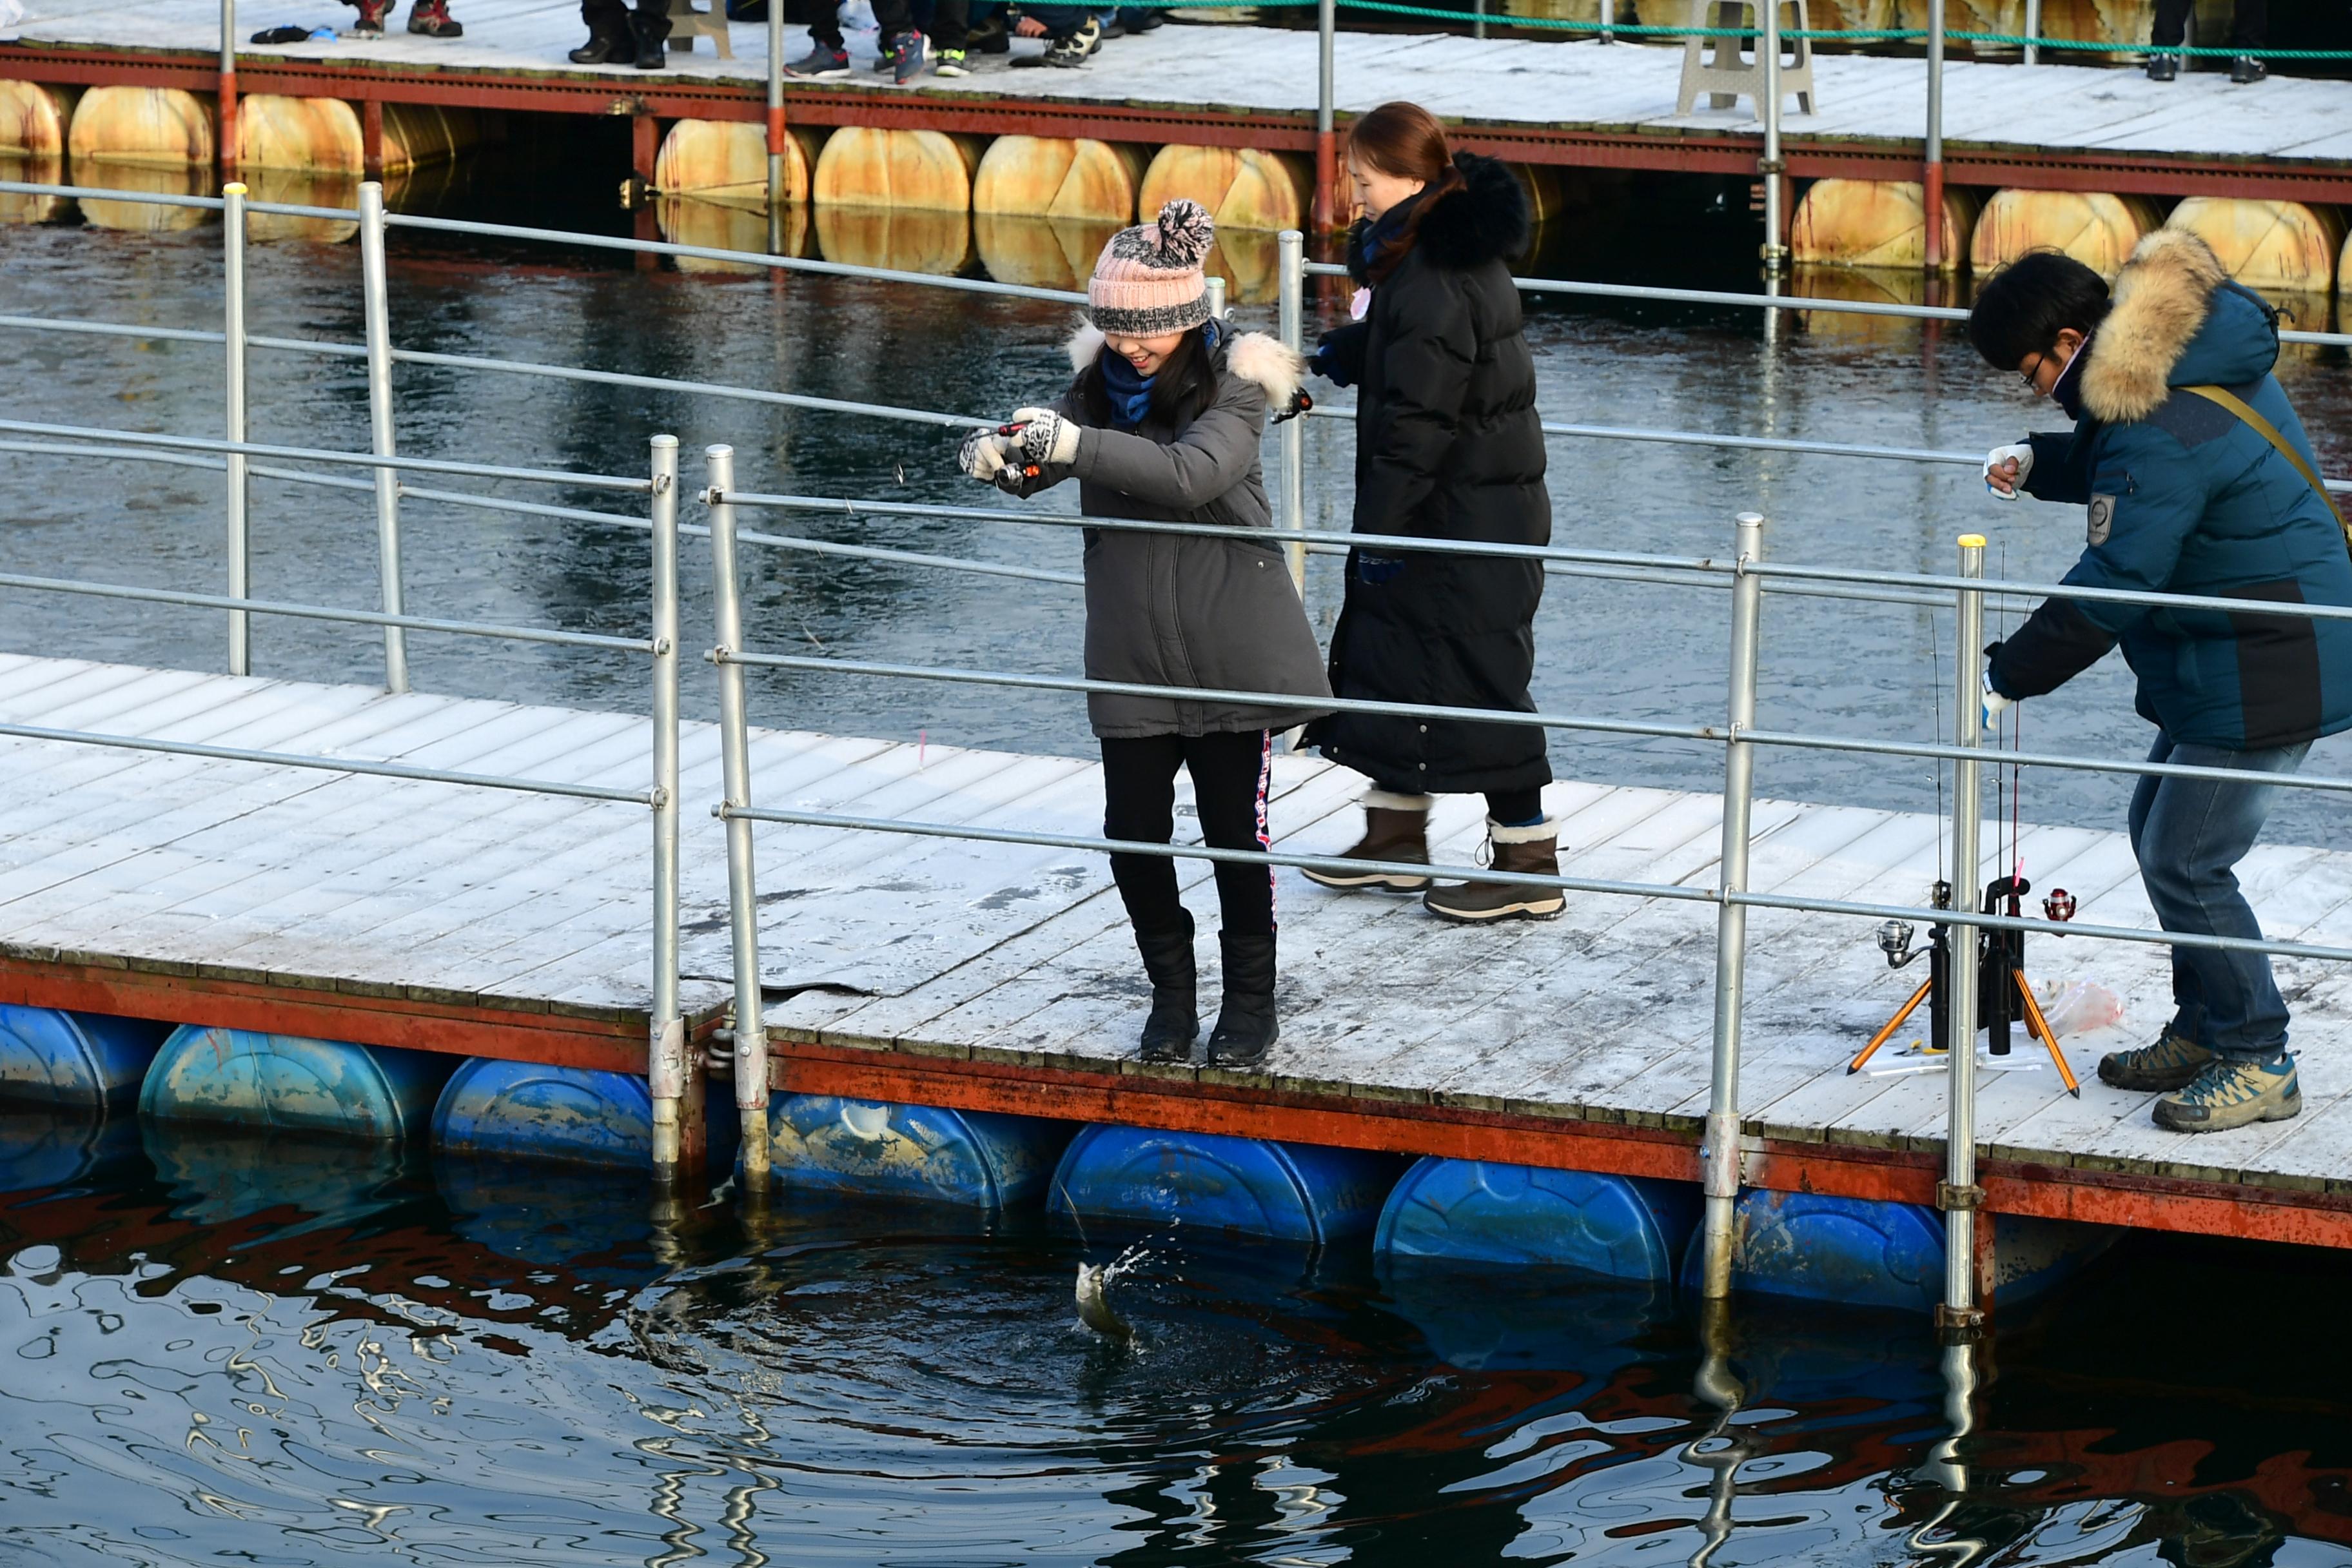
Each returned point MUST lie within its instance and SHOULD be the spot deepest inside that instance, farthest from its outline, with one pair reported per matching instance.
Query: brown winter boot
(1396, 828)
(1532, 851)
(372, 16)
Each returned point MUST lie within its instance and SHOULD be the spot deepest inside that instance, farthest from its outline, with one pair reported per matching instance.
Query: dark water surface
(225, 1350)
(221, 1351)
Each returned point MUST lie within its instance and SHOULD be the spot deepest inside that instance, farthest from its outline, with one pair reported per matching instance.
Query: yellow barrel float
(16, 208)
(2094, 227)
(1243, 188)
(34, 118)
(2282, 247)
(1057, 178)
(150, 125)
(917, 171)
(322, 135)
(1879, 223)
(1875, 286)
(1039, 253)
(727, 161)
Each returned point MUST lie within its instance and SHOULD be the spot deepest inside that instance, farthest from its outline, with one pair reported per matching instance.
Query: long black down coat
(1447, 446)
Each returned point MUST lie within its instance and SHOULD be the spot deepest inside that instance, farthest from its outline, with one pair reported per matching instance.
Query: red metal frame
(676, 97)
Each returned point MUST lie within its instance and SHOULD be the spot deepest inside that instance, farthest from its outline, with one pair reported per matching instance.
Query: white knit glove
(1995, 704)
(982, 455)
(1996, 459)
(1046, 438)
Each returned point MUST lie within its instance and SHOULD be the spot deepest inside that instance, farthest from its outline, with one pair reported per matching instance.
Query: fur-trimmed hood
(2177, 321)
(1276, 369)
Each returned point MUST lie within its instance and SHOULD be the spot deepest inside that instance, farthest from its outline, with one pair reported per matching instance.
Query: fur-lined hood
(1276, 369)
(2177, 321)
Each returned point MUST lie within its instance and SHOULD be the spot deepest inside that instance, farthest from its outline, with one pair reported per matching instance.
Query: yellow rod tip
(1972, 541)
(233, 188)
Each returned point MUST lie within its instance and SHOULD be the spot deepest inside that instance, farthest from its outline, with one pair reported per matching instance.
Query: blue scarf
(1131, 394)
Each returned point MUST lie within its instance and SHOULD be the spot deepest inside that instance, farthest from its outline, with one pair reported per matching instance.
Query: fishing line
(1936, 692)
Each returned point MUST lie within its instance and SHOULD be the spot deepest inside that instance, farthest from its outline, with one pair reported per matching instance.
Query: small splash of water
(1094, 1285)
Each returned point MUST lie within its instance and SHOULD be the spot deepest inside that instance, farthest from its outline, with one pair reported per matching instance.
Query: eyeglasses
(2028, 376)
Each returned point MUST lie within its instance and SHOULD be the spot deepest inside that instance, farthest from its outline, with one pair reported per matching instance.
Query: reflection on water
(505, 1363)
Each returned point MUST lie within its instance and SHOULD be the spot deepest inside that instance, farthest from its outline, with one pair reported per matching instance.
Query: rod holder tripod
(2004, 996)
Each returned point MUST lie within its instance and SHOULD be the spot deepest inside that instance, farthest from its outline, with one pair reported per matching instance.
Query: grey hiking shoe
(2232, 1092)
(820, 64)
(2171, 1063)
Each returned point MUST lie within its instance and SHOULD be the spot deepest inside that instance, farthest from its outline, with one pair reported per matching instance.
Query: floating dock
(1003, 978)
(2049, 126)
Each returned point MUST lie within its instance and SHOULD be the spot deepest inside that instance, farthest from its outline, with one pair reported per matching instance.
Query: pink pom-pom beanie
(1147, 279)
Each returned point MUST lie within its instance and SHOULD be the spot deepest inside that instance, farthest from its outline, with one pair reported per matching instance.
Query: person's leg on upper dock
(2249, 29)
(2197, 478)
(1162, 422)
(618, 35)
(1448, 447)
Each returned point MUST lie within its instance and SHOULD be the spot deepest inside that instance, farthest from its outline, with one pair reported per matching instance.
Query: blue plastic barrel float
(288, 1084)
(46, 1147)
(84, 1059)
(1477, 1210)
(980, 1159)
(577, 1115)
(1869, 1254)
(221, 1170)
(1247, 1186)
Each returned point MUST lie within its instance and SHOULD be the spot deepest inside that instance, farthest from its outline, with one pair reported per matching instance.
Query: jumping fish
(1094, 1302)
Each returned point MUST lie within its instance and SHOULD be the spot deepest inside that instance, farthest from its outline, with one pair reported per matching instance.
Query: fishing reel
(1894, 936)
(2059, 906)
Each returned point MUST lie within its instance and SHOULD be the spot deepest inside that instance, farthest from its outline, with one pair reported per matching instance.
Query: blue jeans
(2189, 835)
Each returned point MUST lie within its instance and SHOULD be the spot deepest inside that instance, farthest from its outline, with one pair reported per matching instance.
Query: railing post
(1326, 145)
(2032, 31)
(227, 119)
(1608, 21)
(1960, 1196)
(735, 761)
(665, 1066)
(377, 308)
(1932, 171)
(1770, 166)
(1216, 292)
(240, 488)
(1290, 252)
(1722, 1153)
(775, 115)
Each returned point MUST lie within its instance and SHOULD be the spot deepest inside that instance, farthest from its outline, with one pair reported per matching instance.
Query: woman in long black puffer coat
(1447, 446)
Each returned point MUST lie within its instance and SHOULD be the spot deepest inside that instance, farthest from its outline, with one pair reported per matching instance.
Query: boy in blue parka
(2182, 495)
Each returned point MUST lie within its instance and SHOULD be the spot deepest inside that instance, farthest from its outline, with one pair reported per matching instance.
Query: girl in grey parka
(1163, 423)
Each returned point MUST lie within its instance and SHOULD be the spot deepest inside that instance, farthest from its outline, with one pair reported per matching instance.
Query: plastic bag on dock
(2080, 1007)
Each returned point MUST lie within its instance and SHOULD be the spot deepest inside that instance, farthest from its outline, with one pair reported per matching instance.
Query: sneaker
(820, 64)
(1075, 50)
(2163, 68)
(431, 18)
(2173, 1062)
(951, 63)
(371, 15)
(1534, 850)
(2246, 70)
(1391, 833)
(911, 54)
(2232, 1092)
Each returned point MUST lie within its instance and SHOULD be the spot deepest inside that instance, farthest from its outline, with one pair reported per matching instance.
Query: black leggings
(1229, 785)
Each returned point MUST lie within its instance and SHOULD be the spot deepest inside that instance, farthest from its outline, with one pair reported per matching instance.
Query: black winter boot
(1175, 1020)
(610, 40)
(1245, 1027)
(649, 34)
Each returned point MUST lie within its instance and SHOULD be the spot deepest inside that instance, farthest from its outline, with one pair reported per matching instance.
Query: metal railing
(1745, 574)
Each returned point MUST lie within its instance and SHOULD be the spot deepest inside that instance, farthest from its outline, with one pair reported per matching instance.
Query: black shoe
(989, 38)
(1245, 1028)
(605, 49)
(1071, 52)
(2163, 68)
(2246, 70)
(1175, 1019)
(650, 36)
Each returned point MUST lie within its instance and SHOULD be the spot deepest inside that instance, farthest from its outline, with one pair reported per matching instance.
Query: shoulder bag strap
(2225, 398)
